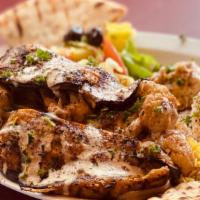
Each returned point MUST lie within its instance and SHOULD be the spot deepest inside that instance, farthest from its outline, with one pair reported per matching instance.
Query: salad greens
(138, 65)
(122, 37)
(117, 44)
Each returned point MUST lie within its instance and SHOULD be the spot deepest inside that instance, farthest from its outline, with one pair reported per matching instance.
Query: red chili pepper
(111, 52)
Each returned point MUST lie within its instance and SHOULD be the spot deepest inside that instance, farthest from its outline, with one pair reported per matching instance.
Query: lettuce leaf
(139, 65)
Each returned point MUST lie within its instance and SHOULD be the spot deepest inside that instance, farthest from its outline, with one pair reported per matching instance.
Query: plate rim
(170, 42)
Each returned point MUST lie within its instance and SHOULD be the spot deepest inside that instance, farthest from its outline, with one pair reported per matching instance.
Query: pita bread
(46, 21)
(184, 191)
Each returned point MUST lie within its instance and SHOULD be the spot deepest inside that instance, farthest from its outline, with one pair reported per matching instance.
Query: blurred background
(166, 16)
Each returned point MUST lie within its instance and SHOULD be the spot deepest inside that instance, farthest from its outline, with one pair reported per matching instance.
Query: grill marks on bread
(18, 23)
(47, 21)
(37, 8)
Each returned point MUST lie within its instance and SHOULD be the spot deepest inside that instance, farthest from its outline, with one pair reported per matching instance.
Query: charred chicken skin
(33, 66)
(75, 159)
(77, 131)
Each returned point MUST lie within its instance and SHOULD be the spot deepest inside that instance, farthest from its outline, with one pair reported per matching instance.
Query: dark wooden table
(167, 16)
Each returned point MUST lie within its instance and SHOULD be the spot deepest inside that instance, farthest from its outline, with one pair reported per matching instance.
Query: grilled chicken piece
(183, 81)
(148, 87)
(33, 66)
(101, 185)
(153, 102)
(5, 103)
(156, 108)
(184, 123)
(71, 106)
(153, 151)
(158, 113)
(109, 120)
(159, 116)
(32, 137)
(195, 117)
(178, 148)
(74, 159)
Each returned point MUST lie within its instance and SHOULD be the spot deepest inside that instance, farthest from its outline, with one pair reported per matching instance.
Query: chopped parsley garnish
(137, 105)
(6, 74)
(170, 79)
(49, 121)
(195, 114)
(43, 173)
(169, 69)
(14, 121)
(43, 55)
(39, 55)
(112, 153)
(13, 61)
(91, 118)
(40, 80)
(25, 158)
(126, 114)
(134, 109)
(187, 120)
(154, 149)
(84, 39)
(30, 137)
(92, 61)
(90, 121)
(111, 114)
(30, 60)
(158, 109)
(180, 82)
(23, 176)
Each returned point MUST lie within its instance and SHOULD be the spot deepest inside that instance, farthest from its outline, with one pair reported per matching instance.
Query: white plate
(167, 49)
